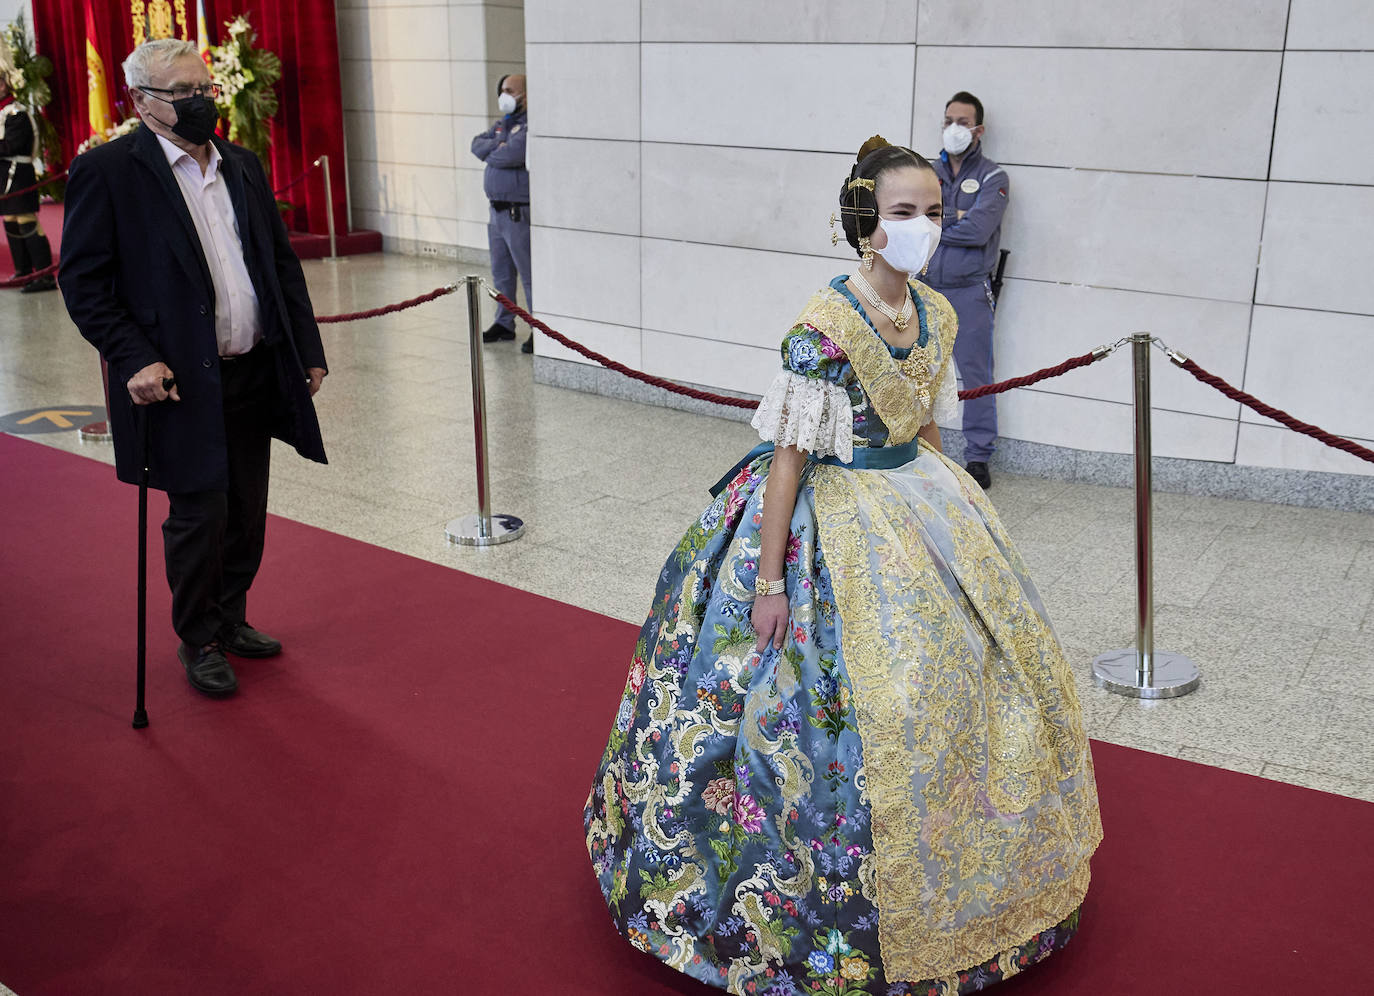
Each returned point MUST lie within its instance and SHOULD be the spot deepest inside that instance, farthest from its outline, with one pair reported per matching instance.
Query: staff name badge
(970, 186)
(514, 129)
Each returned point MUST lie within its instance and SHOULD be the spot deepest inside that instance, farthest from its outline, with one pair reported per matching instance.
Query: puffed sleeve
(945, 410)
(806, 406)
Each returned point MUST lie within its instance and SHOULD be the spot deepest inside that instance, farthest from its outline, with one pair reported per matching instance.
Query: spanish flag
(98, 93)
(202, 32)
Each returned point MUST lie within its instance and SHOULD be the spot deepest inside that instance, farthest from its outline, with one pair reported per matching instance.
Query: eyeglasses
(210, 90)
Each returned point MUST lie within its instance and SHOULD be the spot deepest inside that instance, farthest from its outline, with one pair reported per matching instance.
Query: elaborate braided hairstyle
(858, 196)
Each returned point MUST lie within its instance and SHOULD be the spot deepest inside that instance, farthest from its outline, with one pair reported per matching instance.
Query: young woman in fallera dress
(850, 758)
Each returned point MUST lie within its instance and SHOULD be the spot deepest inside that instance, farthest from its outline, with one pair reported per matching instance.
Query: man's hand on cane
(145, 387)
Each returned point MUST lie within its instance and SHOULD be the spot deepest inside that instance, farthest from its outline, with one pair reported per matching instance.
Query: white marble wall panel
(586, 275)
(426, 191)
(440, 231)
(616, 341)
(1042, 324)
(1065, 420)
(1316, 366)
(1107, 427)
(466, 127)
(586, 184)
(1317, 250)
(598, 21)
(504, 28)
(416, 139)
(467, 34)
(1331, 24)
(1325, 128)
(1042, 109)
(752, 198)
(746, 296)
(398, 85)
(886, 21)
(1273, 445)
(472, 201)
(388, 33)
(1178, 235)
(584, 91)
(1240, 24)
(472, 94)
(811, 91)
(726, 365)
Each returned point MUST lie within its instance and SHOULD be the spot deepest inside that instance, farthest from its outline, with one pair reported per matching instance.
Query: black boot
(19, 249)
(40, 254)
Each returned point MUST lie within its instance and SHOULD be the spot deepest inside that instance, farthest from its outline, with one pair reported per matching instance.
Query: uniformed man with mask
(975, 196)
(507, 186)
(29, 247)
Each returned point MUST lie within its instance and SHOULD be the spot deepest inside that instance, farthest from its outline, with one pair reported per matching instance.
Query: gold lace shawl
(902, 391)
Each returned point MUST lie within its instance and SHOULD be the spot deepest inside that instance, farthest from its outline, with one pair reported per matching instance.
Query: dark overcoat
(136, 284)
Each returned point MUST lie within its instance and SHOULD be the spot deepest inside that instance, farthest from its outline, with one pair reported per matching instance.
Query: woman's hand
(771, 618)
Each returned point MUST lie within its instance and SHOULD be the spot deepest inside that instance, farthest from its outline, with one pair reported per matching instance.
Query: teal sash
(880, 458)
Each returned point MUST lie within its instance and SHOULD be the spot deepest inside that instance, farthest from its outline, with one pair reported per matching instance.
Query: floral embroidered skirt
(900, 800)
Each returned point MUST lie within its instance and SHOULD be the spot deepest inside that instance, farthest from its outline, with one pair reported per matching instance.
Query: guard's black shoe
(528, 345)
(208, 670)
(243, 640)
(978, 470)
(46, 282)
(497, 332)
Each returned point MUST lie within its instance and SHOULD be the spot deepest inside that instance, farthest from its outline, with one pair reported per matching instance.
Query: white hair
(153, 55)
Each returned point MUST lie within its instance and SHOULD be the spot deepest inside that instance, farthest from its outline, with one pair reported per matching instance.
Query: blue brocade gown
(899, 801)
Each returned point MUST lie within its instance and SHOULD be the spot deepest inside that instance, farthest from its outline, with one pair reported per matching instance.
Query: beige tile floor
(1276, 604)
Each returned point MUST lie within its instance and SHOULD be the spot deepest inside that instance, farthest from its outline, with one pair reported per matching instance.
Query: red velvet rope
(37, 186)
(1033, 378)
(720, 399)
(28, 278)
(388, 309)
(621, 368)
(1250, 401)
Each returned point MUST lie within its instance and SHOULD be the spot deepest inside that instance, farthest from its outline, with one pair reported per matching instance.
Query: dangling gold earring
(866, 248)
(834, 235)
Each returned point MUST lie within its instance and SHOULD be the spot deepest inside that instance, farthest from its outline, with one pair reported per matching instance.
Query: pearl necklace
(898, 319)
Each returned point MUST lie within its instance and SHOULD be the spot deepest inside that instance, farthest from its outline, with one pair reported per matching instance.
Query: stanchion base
(96, 432)
(467, 531)
(1174, 674)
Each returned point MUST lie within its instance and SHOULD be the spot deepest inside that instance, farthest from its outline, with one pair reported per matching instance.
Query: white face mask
(910, 243)
(957, 138)
(506, 102)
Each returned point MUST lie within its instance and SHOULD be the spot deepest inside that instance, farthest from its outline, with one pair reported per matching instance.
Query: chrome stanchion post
(1143, 672)
(329, 209)
(484, 528)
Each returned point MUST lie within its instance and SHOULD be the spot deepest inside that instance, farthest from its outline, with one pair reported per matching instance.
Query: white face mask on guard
(910, 243)
(506, 102)
(957, 139)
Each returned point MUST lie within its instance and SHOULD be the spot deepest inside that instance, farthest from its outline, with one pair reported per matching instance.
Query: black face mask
(196, 119)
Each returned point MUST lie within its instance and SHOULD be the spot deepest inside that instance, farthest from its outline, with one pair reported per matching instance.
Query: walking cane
(140, 713)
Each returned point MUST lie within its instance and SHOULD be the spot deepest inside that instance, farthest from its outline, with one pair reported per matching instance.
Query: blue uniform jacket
(968, 245)
(502, 148)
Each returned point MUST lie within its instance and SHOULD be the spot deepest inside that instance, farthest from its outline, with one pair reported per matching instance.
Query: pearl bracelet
(762, 587)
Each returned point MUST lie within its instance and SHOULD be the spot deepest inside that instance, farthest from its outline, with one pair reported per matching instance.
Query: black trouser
(213, 539)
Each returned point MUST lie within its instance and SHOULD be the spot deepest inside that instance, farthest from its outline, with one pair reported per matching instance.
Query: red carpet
(394, 805)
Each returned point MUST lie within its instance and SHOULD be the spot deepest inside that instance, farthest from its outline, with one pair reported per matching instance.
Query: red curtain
(309, 123)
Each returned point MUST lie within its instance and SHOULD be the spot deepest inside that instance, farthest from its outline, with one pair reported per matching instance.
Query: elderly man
(507, 186)
(975, 197)
(176, 266)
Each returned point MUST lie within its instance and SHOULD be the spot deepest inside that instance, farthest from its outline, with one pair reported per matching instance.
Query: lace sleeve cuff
(945, 411)
(812, 415)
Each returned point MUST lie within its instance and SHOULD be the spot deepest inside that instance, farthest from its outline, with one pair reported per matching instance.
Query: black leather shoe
(207, 670)
(46, 282)
(243, 640)
(978, 470)
(528, 345)
(497, 332)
